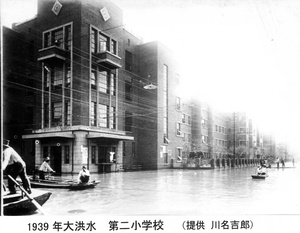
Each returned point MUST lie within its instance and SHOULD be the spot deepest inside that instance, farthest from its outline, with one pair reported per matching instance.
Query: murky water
(182, 192)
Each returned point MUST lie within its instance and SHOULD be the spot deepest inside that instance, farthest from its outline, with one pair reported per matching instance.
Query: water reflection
(182, 192)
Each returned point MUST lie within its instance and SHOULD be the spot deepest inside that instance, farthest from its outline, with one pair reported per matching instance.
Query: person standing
(45, 168)
(84, 175)
(282, 163)
(277, 162)
(14, 166)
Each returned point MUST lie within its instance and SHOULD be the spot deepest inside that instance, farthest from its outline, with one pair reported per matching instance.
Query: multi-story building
(18, 88)
(209, 131)
(103, 97)
(92, 93)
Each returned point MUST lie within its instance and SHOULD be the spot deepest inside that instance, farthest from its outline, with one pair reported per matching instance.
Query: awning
(49, 135)
(107, 135)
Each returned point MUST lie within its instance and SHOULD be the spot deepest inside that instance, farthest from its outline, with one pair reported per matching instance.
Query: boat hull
(64, 184)
(20, 205)
(259, 176)
(83, 186)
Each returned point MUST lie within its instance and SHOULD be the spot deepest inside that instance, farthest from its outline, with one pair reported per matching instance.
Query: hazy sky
(237, 54)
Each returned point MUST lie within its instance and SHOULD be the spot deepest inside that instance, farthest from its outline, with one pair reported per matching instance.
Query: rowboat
(19, 204)
(82, 186)
(259, 176)
(61, 184)
(40, 183)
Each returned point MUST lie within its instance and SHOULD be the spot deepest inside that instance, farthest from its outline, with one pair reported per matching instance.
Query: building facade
(103, 98)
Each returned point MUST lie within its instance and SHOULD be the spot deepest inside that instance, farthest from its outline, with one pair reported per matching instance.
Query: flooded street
(182, 192)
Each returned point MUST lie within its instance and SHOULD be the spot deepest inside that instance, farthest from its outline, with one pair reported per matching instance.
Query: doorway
(55, 152)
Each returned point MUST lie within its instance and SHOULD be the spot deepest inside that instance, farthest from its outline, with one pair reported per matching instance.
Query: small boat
(48, 183)
(61, 184)
(19, 204)
(259, 176)
(81, 186)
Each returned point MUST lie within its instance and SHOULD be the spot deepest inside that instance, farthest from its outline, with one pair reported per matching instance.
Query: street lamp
(150, 86)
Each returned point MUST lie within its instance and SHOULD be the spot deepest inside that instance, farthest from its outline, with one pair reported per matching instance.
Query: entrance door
(56, 158)
(103, 158)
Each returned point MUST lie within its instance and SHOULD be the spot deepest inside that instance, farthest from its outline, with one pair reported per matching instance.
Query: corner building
(91, 105)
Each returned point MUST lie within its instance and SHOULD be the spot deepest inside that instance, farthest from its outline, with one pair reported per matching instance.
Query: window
(67, 113)
(242, 143)
(93, 79)
(46, 115)
(47, 39)
(67, 154)
(60, 37)
(113, 81)
(103, 43)
(58, 76)
(179, 155)
(128, 121)
(68, 37)
(57, 37)
(113, 118)
(113, 47)
(103, 115)
(103, 82)
(189, 120)
(178, 130)
(128, 60)
(204, 139)
(47, 77)
(57, 114)
(93, 114)
(93, 41)
(128, 90)
(183, 118)
(68, 75)
(93, 152)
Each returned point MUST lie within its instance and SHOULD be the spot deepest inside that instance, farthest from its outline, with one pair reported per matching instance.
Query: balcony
(53, 53)
(108, 60)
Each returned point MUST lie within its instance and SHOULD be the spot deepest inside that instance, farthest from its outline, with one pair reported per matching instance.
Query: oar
(37, 205)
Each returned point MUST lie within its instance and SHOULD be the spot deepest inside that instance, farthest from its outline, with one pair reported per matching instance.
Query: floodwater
(182, 192)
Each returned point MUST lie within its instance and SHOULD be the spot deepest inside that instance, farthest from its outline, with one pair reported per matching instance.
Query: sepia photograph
(159, 115)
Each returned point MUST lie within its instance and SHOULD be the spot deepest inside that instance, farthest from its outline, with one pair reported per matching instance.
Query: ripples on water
(182, 192)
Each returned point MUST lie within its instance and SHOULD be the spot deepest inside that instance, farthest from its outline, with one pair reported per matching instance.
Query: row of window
(106, 116)
(221, 143)
(104, 80)
(60, 37)
(220, 129)
(56, 75)
(102, 43)
(53, 114)
(186, 119)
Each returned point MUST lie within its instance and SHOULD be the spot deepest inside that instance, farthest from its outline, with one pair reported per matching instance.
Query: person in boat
(14, 166)
(261, 170)
(84, 176)
(45, 168)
